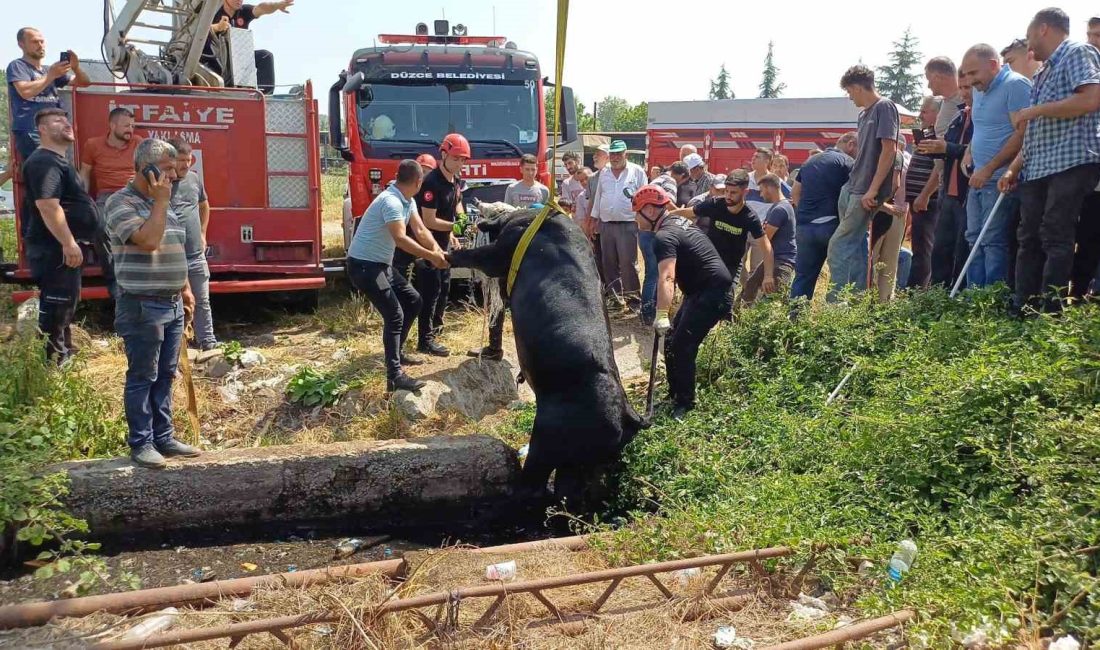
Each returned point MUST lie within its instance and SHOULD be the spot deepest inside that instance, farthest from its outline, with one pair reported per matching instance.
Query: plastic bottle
(163, 620)
(348, 547)
(902, 560)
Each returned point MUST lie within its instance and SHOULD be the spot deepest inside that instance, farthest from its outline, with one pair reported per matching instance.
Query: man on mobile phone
(149, 241)
(32, 86)
(59, 214)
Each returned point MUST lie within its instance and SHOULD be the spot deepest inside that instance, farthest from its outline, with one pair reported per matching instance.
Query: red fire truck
(728, 131)
(401, 98)
(257, 153)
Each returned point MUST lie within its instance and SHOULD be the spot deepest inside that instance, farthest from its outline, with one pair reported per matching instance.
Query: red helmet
(455, 145)
(649, 195)
(426, 160)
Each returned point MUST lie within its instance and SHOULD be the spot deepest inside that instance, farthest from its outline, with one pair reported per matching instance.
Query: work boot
(404, 382)
(174, 448)
(487, 352)
(433, 348)
(147, 456)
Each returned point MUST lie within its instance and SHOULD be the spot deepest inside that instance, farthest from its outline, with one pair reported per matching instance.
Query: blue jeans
(649, 284)
(812, 240)
(152, 332)
(198, 274)
(905, 267)
(990, 263)
(847, 254)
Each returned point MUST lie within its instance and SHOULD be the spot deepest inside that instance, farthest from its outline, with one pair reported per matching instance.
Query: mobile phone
(918, 135)
(65, 56)
(151, 169)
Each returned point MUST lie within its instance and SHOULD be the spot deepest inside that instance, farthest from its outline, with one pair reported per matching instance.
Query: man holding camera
(32, 86)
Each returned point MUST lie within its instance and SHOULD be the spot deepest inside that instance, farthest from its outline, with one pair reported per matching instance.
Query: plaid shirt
(1053, 145)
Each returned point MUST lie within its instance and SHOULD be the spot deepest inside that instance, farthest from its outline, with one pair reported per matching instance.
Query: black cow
(583, 418)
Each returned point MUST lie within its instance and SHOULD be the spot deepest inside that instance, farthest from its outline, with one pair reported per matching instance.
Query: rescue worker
(685, 258)
(439, 203)
(235, 13)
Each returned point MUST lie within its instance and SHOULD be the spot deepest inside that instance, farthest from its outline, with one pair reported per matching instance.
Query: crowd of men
(1003, 170)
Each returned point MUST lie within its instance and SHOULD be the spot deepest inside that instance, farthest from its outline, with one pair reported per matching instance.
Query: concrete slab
(396, 482)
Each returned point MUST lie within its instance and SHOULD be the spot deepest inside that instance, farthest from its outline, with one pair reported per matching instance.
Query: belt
(152, 296)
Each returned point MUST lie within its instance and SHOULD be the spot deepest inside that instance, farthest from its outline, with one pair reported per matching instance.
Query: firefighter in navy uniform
(685, 258)
(440, 205)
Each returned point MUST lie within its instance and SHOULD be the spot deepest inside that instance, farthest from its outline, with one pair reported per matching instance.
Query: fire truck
(728, 131)
(257, 152)
(400, 98)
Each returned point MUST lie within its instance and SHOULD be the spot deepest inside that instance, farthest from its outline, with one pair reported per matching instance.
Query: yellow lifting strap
(552, 204)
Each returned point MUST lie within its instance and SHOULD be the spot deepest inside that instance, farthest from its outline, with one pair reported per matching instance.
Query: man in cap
(699, 178)
(611, 206)
(687, 259)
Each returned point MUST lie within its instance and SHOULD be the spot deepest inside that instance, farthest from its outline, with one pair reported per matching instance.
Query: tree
(770, 86)
(720, 87)
(585, 121)
(633, 118)
(896, 80)
(608, 111)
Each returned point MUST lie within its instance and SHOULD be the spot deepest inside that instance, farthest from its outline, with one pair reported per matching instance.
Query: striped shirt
(160, 273)
(920, 170)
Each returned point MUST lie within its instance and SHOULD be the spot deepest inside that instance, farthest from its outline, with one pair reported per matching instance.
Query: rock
(192, 355)
(342, 354)
(810, 601)
(207, 355)
(429, 481)
(272, 382)
(231, 392)
(800, 612)
(216, 368)
(474, 389)
(252, 359)
(26, 318)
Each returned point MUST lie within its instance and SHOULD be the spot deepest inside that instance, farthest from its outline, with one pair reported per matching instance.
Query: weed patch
(974, 434)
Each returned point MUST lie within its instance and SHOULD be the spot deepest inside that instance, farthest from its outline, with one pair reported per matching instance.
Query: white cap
(693, 160)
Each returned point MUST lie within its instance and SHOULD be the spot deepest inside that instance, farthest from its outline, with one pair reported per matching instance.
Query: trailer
(728, 131)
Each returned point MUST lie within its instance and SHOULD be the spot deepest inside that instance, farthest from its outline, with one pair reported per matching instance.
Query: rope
(192, 400)
(551, 206)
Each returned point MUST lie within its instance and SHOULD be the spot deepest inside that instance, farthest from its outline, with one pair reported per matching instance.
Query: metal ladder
(179, 54)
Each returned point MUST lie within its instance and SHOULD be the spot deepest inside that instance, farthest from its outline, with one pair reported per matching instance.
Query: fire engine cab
(402, 97)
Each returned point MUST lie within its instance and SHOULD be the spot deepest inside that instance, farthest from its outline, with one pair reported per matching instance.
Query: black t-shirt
(240, 19)
(698, 265)
(439, 194)
(49, 175)
(729, 231)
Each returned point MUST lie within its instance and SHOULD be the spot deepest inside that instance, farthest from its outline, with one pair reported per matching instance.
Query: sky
(639, 51)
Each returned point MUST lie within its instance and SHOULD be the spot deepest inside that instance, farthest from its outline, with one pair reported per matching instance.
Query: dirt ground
(635, 616)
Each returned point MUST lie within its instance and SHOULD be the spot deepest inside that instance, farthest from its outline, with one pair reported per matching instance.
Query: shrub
(972, 433)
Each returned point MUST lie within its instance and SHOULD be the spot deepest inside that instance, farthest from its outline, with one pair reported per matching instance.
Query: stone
(216, 368)
(429, 481)
(26, 317)
(231, 392)
(474, 388)
(252, 359)
(192, 355)
(207, 355)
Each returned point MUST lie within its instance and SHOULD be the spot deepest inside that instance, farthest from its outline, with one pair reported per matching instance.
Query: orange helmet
(426, 160)
(649, 195)
(455, 145)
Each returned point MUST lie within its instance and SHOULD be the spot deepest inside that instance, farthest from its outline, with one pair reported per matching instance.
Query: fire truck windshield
(497, 118)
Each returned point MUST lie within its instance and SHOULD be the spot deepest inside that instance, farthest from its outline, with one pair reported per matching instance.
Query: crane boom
(178, 57)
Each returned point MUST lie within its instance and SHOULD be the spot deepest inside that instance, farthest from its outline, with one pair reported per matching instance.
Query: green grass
(975, 435)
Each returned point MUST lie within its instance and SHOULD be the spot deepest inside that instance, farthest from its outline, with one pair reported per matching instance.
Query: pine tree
(720, 87)
(770, 86)
(897, 80)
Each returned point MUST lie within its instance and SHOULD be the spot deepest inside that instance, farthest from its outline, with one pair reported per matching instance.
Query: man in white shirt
(611, 206)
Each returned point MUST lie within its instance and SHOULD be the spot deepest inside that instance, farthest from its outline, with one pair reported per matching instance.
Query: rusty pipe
(32, 614)
(145, 600)
(441, 597)
(852, 632)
